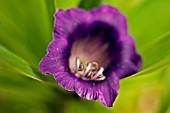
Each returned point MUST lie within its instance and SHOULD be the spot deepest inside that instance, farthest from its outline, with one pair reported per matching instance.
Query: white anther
(81, 67)
(89, 73)
(77, 64)
(87, 69)
(100, 72)
(94, 66)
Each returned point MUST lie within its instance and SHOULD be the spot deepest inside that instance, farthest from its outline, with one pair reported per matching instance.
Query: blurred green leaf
(25, 95)
(84, 106)
(26, 28)
(165, 98)
(89, 4)
(115, 3)
(16, 63)
(150, 21)
(10, 62)
(66, 4)
(156, 54)
(128, 7)
(22, 95)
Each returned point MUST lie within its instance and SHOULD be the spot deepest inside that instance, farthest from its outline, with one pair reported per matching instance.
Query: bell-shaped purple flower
(90, 52)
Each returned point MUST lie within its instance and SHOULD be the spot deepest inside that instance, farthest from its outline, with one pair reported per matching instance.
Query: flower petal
(102, 91)
(65, 79)
(108, 94)
(57, 54)
(60, 70)
(112, 16)
(86, 90)
(66, 21)
(56, 63)
(130, 62)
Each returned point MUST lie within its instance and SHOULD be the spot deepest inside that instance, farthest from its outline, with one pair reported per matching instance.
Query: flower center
(90, 71)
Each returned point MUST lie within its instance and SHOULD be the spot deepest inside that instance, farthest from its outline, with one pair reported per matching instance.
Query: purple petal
(105, 91)
(130, 62)
(67, 21)
(65, 79)
(56, 63)
(112, 16)
(60, 71)
(86, 90)
(57, 54)
(108, 94)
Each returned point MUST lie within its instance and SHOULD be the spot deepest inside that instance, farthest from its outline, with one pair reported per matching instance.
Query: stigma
(88, 72)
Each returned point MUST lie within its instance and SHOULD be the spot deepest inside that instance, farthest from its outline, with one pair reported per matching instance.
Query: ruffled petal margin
(106, 91)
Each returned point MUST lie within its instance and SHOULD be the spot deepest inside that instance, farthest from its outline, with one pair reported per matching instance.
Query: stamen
(81, 67)
(77, 64)
(100, 72)
(94, 66)
(90, 72)
(87, 69)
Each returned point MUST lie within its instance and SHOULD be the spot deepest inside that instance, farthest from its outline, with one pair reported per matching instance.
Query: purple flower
(90, 52)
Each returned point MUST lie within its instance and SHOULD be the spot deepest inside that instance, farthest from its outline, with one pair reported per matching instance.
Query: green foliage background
(25, 31)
